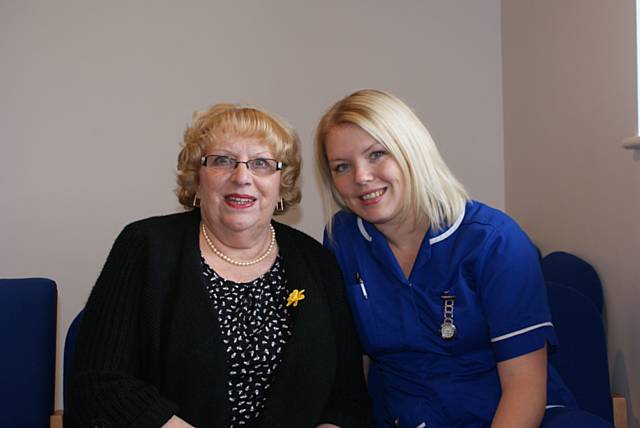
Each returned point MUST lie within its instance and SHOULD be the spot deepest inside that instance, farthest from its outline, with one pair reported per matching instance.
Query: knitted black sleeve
(106, 386)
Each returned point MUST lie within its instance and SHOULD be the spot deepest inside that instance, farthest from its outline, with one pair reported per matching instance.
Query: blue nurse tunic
(486, 265)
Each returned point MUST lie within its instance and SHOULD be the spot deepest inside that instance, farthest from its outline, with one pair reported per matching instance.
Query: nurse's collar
(441, 237)
(363, 231)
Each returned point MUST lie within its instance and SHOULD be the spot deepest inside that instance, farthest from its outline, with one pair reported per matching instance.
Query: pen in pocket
(362, 287)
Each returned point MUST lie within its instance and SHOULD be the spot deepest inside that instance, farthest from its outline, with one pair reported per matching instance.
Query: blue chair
(69, 346)
(28, 315)
(572, 271)
(581, 358)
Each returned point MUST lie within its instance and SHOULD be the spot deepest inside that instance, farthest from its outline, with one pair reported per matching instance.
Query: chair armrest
(55, 420)
(619, 410)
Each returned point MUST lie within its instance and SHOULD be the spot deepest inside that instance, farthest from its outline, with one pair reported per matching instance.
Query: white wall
(95, 96)
(569, 101)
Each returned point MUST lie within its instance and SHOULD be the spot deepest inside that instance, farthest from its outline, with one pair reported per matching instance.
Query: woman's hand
(524, 390)
(176, 422)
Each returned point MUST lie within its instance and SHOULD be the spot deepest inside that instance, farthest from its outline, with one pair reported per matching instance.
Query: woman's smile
(372, 198)
(239, 201)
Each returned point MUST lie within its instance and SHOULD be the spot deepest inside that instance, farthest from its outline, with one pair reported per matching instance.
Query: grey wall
(569, 101)
(95, 96)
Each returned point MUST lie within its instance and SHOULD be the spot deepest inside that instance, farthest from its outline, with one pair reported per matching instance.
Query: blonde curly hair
(223, 120)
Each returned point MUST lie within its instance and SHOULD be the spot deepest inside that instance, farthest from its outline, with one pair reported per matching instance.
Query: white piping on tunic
(553, 406)
(521, 331)
(363, 231)
(447, 233)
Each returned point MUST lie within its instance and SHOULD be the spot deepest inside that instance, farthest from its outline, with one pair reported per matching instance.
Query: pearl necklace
(235, 262)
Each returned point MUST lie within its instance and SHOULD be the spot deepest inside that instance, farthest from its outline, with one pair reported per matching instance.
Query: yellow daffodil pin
(295, 296)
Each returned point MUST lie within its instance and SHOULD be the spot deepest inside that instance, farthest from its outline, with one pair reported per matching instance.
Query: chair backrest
(581, 357)
(69, 346)
(574, 272)
(28, 313)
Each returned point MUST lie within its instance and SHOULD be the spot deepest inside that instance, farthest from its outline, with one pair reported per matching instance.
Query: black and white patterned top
(255, 325)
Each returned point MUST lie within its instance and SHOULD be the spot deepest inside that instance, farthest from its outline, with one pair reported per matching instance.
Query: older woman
(447, 293)
(220, 316)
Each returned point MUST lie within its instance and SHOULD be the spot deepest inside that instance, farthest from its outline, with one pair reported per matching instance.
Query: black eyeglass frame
(235, 162)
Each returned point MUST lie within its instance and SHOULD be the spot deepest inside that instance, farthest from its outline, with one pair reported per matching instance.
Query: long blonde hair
(431, 187)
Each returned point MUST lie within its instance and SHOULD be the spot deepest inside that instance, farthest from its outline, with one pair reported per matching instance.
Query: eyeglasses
(258, 166)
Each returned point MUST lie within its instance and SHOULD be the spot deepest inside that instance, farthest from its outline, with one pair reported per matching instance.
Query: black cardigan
(149, 345)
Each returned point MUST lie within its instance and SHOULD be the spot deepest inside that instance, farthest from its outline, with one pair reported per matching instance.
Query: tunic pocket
(447, 320)
(454, 327)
